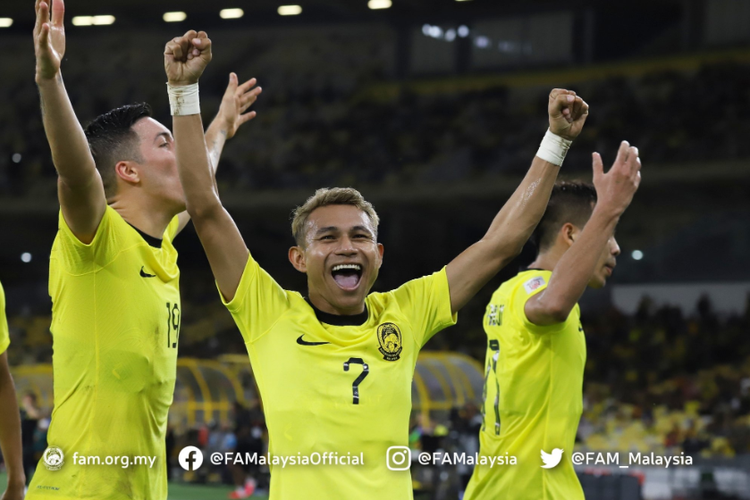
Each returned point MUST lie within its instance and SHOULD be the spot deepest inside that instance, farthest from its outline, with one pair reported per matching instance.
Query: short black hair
(570, 201)
(112, 139)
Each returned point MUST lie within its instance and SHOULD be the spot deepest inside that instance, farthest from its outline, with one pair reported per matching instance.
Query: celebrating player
(10, 421)
(335, 370)
(114, 281)
(537, 349)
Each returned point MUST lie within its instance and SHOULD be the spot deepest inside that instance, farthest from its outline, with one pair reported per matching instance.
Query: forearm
(573, 271)
(216, 137)
(70, 150)
(520, 215)
(10, 426)
(196, 170)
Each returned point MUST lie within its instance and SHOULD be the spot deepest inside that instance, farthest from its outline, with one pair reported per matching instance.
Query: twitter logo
(551, 459)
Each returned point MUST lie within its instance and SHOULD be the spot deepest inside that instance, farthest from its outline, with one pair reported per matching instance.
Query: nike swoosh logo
(304, 342)
(144, 274)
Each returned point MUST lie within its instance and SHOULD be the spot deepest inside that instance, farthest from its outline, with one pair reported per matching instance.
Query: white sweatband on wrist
(184, 100)
(553, 148)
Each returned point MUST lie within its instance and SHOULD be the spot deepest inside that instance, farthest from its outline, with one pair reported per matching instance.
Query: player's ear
(381, 250)
(297, 258)
(569, 233)
(127, 171)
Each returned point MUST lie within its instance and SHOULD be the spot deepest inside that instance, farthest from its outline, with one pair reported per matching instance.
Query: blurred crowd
(331, 114)
(662, 380)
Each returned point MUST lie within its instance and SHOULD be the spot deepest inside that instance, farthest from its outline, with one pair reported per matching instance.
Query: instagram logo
(398, 458)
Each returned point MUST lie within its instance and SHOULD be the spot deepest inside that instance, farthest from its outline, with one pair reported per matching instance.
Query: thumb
(598, 165)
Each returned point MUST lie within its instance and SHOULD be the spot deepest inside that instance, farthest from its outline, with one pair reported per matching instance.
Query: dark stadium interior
(437, 135)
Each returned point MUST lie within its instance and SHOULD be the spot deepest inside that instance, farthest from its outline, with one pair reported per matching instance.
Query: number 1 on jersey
(358, 380)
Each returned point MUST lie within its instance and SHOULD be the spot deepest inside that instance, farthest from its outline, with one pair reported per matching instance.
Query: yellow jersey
(115, 327)
(339, 385)
(4, 336)
(533, 397)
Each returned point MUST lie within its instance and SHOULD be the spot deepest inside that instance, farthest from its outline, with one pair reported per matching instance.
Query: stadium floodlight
(231, 13)
(450, 35)
(289, 10)
(103, 20)
(26, 257)
(463, 31)
(6, 22)
(637, 255)
(93, 20)
(174, 17)
(379, 4)
(83, 21)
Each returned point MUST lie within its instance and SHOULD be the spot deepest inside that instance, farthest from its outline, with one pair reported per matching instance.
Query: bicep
(226, 250)
(83, 206)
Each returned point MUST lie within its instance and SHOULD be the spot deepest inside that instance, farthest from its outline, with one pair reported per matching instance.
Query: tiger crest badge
(389, 338)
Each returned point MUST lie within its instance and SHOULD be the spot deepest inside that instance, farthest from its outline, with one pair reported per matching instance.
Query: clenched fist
(567, 113)
(186, 57)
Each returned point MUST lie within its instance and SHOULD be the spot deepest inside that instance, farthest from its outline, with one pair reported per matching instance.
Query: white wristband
(553, 148)
(184, 100)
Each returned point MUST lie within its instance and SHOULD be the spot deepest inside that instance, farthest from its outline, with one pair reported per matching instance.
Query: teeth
(340, 267)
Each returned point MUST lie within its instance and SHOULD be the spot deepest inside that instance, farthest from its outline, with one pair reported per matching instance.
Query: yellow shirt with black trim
(4, 335)
(337, 388)
(533, 397)
(115, 329)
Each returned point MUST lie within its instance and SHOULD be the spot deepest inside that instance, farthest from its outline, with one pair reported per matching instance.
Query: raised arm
(80, 187)
(515, 222)
(231, 116)
(574, 270)
(185, 59)
(10, 434)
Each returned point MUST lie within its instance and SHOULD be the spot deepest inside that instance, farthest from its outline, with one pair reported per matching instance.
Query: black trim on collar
(154, 242)
(340, 320)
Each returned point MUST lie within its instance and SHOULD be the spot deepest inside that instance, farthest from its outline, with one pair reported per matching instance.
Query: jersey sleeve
(4, 335)
(426, 303)
(77, 257)
(258, 303)
(520, 294)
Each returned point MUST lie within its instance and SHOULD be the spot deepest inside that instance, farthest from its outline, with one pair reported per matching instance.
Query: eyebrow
(334, 228)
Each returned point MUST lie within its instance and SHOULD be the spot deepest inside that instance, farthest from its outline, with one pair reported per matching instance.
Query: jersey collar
(154, 242)
(339, 320)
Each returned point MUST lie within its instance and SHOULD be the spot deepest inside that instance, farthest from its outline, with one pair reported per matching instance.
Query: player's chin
(598, 281)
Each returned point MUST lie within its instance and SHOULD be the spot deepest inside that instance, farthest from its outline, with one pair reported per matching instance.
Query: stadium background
(434, 109)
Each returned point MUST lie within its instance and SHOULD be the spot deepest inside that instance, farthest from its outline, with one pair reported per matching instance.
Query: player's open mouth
(347, 276)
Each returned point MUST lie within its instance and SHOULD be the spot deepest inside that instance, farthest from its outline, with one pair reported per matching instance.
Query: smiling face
(341, 257)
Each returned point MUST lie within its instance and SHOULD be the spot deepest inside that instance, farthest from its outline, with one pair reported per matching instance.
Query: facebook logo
(190, 458)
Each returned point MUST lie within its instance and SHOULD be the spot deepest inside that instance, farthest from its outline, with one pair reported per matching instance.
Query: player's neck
(325, 306)
(547, 259)
(148, 218)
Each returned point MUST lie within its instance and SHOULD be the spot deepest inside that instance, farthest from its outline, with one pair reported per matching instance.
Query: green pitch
(180, 491)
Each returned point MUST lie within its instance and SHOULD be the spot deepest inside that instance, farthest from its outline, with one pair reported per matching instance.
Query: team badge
(53, 458)
(389, 338)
